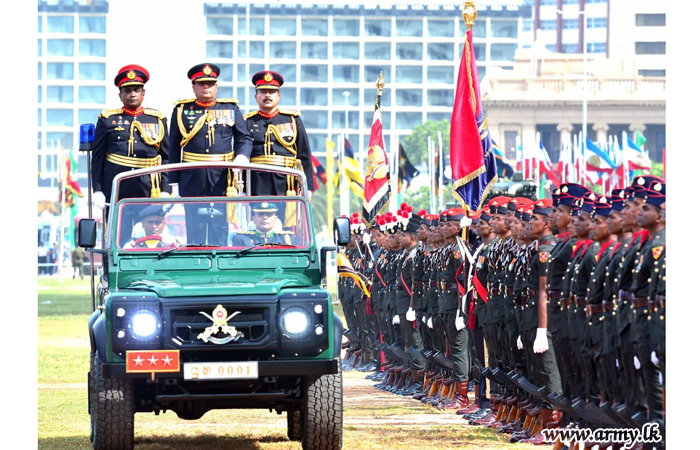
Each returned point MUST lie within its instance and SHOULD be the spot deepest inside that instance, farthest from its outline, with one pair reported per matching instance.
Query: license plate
(221, 371)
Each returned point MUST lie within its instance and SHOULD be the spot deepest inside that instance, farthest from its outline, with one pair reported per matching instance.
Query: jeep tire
(113, 412)
(294, 425)
(322, 421)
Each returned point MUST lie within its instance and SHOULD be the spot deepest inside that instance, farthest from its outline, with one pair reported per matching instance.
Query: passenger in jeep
(153, 233)
(264, 217)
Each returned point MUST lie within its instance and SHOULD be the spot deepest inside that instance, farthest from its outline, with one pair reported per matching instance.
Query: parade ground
(373, 419)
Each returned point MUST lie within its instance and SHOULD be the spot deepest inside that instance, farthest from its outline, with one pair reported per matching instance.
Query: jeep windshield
(177, 225)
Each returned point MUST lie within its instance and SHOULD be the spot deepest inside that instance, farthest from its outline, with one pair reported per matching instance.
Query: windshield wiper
(165, 252)
(256, 246)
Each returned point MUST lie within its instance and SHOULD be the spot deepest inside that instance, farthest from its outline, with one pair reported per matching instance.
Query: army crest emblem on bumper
(219, 318)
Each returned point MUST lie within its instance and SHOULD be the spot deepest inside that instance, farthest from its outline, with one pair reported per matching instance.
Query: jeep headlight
(295, 322)
(144, 324)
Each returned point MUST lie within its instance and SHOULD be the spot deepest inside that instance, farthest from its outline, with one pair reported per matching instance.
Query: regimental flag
(407, 171)
(319, 172)
(639, 138)
(471, 155)
(352, 170)
(599, 165)
(345, 270)
(71, 186)
(545, 166)
(635, 156)
(503, 167)
(377, 189)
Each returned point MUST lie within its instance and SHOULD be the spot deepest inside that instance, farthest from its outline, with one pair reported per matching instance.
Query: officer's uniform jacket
(450, 278)
(207, 134)
(405, 288)
(125, 142)
(246, 238)
(623, 284)
(392, 280)
(641, 288)
(598, 328)
(558, 261)
(480, 280)
(418, 280)
(536, 268)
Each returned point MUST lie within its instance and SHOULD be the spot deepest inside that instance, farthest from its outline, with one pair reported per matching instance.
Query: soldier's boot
(460, 399)
(444, 390)
(416, 385)
(401, 383)
(388, 378)
(491, 418)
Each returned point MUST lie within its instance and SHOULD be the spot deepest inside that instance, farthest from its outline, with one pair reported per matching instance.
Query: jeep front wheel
(322, 422)
(113, 412)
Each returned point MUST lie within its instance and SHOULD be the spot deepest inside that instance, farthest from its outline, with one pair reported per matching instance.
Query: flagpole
(397, 162)
(62, 187)
(441, 173)
(431, 172)
(341, 173)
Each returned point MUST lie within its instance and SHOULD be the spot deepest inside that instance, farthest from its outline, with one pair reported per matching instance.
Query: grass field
(372, 419)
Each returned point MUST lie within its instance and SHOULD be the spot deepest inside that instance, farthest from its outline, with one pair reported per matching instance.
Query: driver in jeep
(153, 233)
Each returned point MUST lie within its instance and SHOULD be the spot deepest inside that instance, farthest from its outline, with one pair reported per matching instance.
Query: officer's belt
(521, 299)
(578, 300)
(595, 308)
(444, 285)
(509, 292)
(136, 163)
(608, 306)
(200, 157)
(276, 160)
(555, 296)
(640, 302)
(418, 284)
(531, 292)
(660, 300)
(433, 284)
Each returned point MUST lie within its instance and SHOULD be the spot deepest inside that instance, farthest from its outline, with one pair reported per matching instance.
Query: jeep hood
(199, 285)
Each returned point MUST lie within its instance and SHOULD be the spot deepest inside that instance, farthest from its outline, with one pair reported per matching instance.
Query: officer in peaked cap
(264, 215)
(279, 139)
(207, 129)
(128, 138)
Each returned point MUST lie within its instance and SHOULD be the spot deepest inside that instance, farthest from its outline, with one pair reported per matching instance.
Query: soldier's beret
(204, 72)
(264, 207)
(616, 199)
(656, 195)
(154, 210)
(452, 214)
(642, 185)
(542, 206)
(131, 75)
(267, 79)
(586, 203)
(602, 206)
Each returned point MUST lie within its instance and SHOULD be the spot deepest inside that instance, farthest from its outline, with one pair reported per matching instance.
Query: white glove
(520, 344)
(164, 194)
(654, 358)
(459, 322)
(410, 315)
(430, 322)
(540, 345)
(396, 320)
(423, 319)
(617, 363)
(241, 159)
(637, 364)
(366, 238)
(98, 199)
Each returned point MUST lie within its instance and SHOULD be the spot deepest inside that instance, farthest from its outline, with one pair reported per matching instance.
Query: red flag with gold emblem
(377, 189)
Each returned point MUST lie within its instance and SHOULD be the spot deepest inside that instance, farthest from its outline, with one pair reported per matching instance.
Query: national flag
(71, 186)
(639, 139)
(319, 172)
(471, 155)
(545, 164)
(345, 270)
(352, 170)
(599, 165)
(406, 170)
(635, 156)
(503, 167)
(377, 187)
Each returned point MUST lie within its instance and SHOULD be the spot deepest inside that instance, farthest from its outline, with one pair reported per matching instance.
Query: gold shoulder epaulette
(227, 100)
(154, 113)
(110, 112)
(290, 112)
(250, 114)
(189, 100)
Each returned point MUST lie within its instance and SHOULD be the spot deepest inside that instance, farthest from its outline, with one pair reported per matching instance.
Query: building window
(409, 97)
(39, 118)
(88, 115)
(441, 97)
(527, 25)
(339, 97)
(372, 73)
(40, 24)
(283, 27)
(219, 49)
(39, 50)
(257, 26)
(503, 52)
(92, 71)
(226, 73)
(39, 96)
(441, 52)
(409, 51)
(571, 2)
(371, 96)
(378, 27)
(570, 24)
(441, 28)
(59, 47)
(548, 24)
(316, 119)
(407, 121)
(596, 47)
(288, 71)
(346, 74)
(313, 74)
(440, 75)
(39, 71)
(651, 20)
(437, 117)
(346, 27)
(650, 48)
(257, 49)
(314, 50)
(480, 52)
(93, 47)
(283, 50)
(504, 29)
(59, 24)
(57, 139)
(220, 25)
(569, 48)
(224, 91)
(548, 2)
(378, 51)
(596, 22)
(353, 120)
(409, 28)
(652, 72)
(346, 50)
(59, 117)
(478, 30)
(318, 142)
(91, 94)
(369, 120)
(59, 94)
(59, 71)
(93, 24)
(314, 27)
(409, 74)
(289, 98)
(314, 96)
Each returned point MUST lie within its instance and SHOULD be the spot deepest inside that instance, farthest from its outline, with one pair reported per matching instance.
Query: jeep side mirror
(341, 231)
(87, 233)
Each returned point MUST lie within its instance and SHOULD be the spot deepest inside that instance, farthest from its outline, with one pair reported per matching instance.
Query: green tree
(416, 144)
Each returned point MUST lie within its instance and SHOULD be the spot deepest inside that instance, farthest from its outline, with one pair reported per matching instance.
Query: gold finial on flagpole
(380, 84)
(469, 14)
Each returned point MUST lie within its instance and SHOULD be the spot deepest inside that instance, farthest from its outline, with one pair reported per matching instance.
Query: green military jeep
(213, 303)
